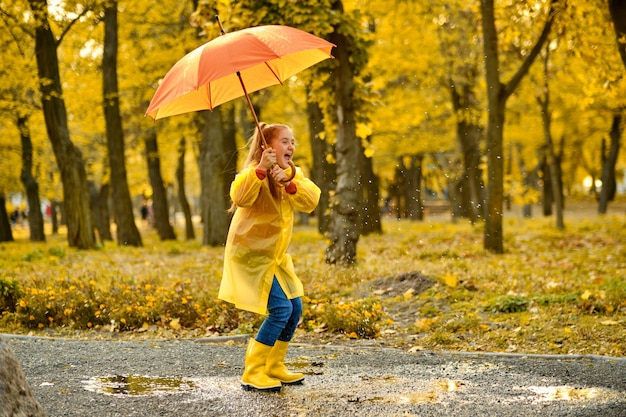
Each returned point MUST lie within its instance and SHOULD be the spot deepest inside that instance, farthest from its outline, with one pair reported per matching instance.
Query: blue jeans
(283, 318)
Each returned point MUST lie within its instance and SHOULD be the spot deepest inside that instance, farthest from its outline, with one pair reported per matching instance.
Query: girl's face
(284, 145)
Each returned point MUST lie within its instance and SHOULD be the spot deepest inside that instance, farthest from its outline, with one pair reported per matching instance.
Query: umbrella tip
(219, 23)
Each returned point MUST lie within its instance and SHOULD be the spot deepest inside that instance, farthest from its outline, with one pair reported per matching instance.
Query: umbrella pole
(256, 119)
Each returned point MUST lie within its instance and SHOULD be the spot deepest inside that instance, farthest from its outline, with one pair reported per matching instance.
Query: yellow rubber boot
(275, 366)
(254, 376)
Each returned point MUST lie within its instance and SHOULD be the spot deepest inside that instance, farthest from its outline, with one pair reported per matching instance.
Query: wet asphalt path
(199, 378)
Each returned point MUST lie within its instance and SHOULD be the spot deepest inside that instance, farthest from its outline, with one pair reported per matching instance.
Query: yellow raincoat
(259, 235)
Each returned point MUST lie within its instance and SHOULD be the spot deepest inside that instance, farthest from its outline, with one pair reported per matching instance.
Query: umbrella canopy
(252, 58)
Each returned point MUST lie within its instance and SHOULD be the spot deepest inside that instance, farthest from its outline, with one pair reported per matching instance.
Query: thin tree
(182, 196)
(609, 184)
(6, 234)
(617, 9)
(80, 232)
(552, 161)
(160, 205)
(127, 232)
(35, 217)
(498, 93)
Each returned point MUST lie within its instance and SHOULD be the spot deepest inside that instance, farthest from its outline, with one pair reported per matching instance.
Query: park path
(201, 378)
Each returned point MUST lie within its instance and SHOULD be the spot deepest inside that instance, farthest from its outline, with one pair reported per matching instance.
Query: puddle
(433, 392)
(565, 393)
(137, 385)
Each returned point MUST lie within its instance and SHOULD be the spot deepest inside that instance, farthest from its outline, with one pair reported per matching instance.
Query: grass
(419, 285)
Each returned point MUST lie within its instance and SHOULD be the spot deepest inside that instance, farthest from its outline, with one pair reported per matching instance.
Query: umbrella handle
(293, 172)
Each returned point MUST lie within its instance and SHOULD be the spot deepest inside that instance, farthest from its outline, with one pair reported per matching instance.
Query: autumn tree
(20, 98)
(458, 34)
(553, 162)
(160, 204)
(617, 9)
(127, 233)
(410, 113)
(80, 232)
(190, 234)
(498, 93)
(152, 39)
(350, 57)
(35, 217)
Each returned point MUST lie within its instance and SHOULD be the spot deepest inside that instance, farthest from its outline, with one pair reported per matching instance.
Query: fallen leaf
(451, 280)
(175, 324)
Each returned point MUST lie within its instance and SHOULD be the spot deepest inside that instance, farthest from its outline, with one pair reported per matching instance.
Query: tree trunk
(527, 181)
(80, 232)
(214, 158)
(35, 217)
(497, 94)
(127, 232)
(182, 197)
(398, 188)
(546, 117)
(472, 200)
(6, 234)
(160, 206)
(370, 210)
(609, 184)
(413, 198)
(102, 213)
(493, 235)
(94, 204)
(323, 172)
(343, 229)
(229, 124)
(55, 208)
(617, 8)
(558, 159)
(548, 195)
(492, 240)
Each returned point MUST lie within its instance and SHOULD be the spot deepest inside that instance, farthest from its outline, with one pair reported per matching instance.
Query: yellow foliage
(451, 280)
(86, 291)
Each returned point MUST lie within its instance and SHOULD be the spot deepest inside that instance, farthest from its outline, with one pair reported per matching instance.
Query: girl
(259, 275)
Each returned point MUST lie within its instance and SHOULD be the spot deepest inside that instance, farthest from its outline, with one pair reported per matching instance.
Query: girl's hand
(268, 159)
(279, 175)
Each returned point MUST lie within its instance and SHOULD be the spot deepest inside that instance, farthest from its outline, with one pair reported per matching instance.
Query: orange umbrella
(234, 64)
